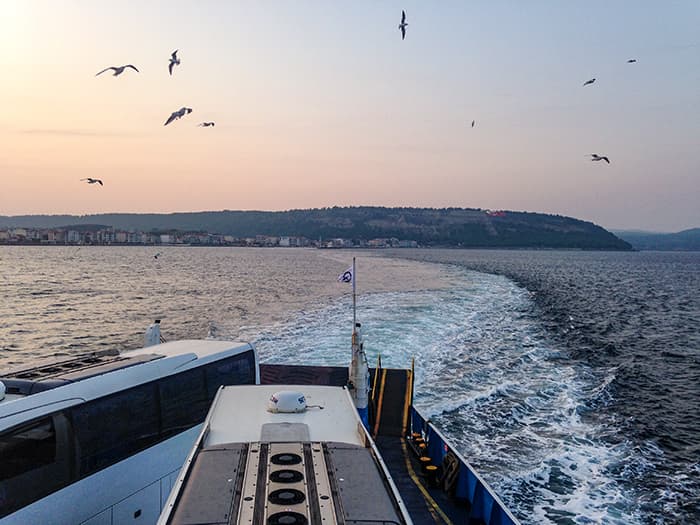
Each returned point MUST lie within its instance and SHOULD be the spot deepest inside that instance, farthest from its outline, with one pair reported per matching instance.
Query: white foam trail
(490, 379)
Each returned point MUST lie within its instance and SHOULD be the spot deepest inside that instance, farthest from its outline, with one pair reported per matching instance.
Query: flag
(346, 276)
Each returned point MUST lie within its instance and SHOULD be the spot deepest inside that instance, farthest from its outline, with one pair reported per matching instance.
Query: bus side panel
(142, 507)
(90, 497)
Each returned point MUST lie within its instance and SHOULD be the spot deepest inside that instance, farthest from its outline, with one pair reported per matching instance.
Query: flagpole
(358, 374)
(354, 279)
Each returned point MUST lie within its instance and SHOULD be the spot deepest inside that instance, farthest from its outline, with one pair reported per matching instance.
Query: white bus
(98, 439)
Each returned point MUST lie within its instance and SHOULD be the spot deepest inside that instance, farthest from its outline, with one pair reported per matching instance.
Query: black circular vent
(287, 518)
(286, 459)
(286, 476)
(286, 497)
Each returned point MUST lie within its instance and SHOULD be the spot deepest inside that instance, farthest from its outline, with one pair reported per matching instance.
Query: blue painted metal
(484, 504)
(364, 416)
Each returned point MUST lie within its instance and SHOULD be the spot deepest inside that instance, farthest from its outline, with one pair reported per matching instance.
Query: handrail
(484, 502)
(376, 373)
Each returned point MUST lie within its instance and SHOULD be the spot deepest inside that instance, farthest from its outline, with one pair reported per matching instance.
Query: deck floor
(425, 505)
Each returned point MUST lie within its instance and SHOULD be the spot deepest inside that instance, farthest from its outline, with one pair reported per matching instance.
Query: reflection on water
(67, 299)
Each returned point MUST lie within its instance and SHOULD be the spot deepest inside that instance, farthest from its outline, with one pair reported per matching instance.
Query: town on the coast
(84, 235)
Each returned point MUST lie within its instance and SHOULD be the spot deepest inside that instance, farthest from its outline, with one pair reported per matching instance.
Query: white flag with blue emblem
(346, 276)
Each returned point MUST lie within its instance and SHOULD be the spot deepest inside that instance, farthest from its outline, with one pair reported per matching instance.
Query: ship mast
(358, 380)
(354, 300)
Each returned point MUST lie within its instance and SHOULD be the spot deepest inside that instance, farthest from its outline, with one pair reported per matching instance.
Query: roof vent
(286, 476)
(286, 497)
(286, 458)
(287, 518)
(287, 402)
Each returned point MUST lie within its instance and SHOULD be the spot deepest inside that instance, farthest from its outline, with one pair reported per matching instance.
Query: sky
(320, 103)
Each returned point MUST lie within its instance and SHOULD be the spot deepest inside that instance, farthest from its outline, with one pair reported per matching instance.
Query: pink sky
(321, 104)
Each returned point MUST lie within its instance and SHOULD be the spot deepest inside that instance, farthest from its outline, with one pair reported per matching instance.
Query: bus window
(115, 427)
(237, 370)
(27, 448)
(29, 469)
(183, 401)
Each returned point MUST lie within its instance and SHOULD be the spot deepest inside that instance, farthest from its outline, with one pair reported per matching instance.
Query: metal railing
(464, 483)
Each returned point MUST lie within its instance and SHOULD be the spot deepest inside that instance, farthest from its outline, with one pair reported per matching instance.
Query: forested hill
(686, 240)
(457, 227)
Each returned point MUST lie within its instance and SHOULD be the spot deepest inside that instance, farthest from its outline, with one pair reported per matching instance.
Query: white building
(72, 236)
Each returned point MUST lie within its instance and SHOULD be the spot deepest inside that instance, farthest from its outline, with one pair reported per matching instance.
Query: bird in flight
(206, 124)
(177, 114)
(118, 70)
(589, 82)
(174, 61)
(631, 60)
(473, 122)
(90, 180)
(595, 156)
(403, 24)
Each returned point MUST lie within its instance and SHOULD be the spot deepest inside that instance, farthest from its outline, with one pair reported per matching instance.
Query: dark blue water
(633, 320)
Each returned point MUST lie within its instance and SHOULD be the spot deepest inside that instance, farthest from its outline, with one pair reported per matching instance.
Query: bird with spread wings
(403, 24)
(118, 70)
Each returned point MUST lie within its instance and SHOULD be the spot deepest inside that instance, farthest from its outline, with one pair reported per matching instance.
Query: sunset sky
(321, 103)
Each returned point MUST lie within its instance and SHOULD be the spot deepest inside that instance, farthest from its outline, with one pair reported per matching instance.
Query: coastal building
(72, 237)
(408, 244)
(377, 243)
(107, 236)
(55, 236)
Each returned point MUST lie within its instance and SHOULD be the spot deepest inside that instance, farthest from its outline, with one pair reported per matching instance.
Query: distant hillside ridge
(451, 227)
(686, 240)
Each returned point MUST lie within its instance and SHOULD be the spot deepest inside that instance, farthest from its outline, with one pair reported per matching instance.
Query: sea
(570, 380)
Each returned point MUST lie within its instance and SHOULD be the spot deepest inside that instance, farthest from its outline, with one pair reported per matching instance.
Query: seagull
(90, 180)
(156, 255)
(177, 114)
(596, 157)
(589, 82)
(174, 61)
(206, 124)
(403, 24)
(118, 70)
(473, 122)
(631, 60)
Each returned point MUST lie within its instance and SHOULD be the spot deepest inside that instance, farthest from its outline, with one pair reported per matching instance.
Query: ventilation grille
(286, 476)
(286, 484)
(285, 459)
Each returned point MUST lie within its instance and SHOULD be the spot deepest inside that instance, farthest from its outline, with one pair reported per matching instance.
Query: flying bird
(403, 24)
(174, 61)
(206, 124)
(118, 70)
(589, 82)
(177, 114)
(473, 122)
(631, 60)
(90, 180)
(596, 157)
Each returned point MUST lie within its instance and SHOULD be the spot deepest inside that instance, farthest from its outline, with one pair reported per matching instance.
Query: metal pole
(354, 280)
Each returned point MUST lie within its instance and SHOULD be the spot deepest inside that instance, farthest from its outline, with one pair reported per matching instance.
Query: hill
(686, 240)
(459, 227)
